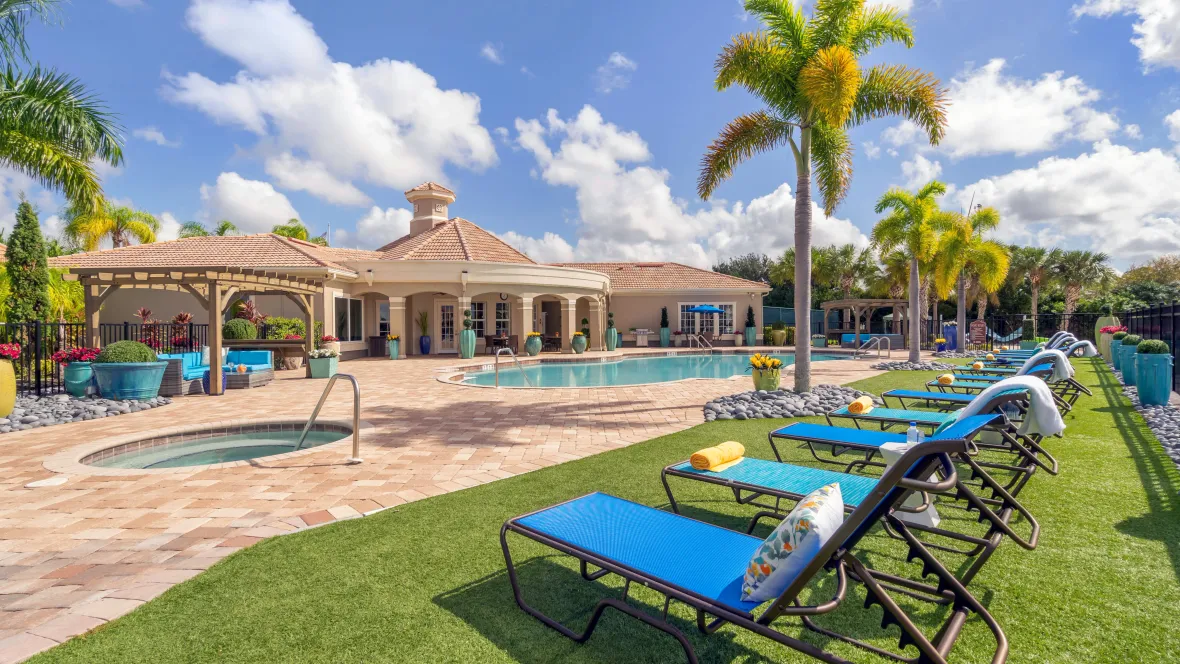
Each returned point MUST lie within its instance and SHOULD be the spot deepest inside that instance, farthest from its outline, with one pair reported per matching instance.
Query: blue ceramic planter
(129, 380)
(78, 377)
(323, 367)
(224, 381)
(467, 344)
(1127, 364)
(424, 344)
(666, 337)
(1116, 354)
(1153, 377)
(532, 346)
(394, 348)
(612, 338)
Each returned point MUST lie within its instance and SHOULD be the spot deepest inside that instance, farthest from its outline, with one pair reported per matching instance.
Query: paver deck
(79, 554)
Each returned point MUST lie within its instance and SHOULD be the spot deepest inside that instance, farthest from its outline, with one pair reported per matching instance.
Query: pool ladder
(518, 366)
(356, 415)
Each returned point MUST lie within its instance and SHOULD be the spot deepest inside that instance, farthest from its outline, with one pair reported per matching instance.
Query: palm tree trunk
(1072, 292)
(981, 305)
(803, 267)
(915, 311)
(961, 311)
(1036, 296)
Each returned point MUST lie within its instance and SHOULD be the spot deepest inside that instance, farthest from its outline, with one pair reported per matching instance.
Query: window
(383, 319)
(693, 323)
(478, 319)
(503, 324)
(349, 323)
(688, 322)
(726, 318)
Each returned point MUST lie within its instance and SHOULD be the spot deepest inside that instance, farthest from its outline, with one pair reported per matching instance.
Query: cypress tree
(28, 271)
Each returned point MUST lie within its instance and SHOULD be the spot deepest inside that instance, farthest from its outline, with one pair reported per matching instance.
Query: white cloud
(918, 171)
(1133, 131)
(491, 53)
(1157, 30)
(169, 227)
(627, 211)
(386, 122)
(550, 248)
(992, 113)
(153, 135)
(377, 228)
(1110, 199)
(1172, 122)
(527, 72)
(291, 172)
(501, 134)
(12, 185)
(253, 206)
(872, 150)
(615, 74)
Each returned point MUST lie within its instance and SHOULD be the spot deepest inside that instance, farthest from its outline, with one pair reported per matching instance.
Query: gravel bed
(1164, 422)
(782, 403)
(958, 354)
(32, 412)
(913, 366)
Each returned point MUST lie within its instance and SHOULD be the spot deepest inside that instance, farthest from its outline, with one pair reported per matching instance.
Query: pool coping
(456, 375)
(69, 461)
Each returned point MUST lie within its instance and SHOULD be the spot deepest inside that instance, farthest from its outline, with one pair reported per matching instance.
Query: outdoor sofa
(186, 370)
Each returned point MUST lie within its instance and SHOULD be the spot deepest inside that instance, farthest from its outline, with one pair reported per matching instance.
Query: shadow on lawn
(1156, 470)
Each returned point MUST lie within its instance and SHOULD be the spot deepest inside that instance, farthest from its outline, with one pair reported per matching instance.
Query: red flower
(75, 355)
(10, 351)
(294, 337)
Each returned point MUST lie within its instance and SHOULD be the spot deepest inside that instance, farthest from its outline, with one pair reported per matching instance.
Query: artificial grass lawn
(425, 582)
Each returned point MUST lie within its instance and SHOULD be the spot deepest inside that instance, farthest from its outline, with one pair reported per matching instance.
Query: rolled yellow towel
(990, 357)
(719, 457)
(977, 366)
(946, 379)
(861, 405)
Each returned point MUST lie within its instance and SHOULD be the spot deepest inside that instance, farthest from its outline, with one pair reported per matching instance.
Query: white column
(397, 323)
(569, 324)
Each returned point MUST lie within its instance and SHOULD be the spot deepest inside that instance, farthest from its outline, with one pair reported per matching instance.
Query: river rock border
(32, 412)
(913, 366)
(782, 403)
(1164, 422)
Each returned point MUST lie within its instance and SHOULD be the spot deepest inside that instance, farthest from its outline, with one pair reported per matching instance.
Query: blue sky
(574, 129)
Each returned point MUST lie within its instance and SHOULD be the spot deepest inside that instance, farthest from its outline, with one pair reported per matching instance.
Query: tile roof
(430, 186)
(665, 276)
(264, 250)
(453, 240)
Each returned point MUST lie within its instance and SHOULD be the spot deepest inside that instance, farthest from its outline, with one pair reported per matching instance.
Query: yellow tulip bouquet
(765, 371)
(765, 362)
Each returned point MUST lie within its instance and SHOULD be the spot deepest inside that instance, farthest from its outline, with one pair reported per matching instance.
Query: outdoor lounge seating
(702, 565)
(186, 370)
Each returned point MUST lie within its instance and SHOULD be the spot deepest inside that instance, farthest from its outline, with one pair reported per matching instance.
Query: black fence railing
(161, 337)
(1160, 321)
(36, 372)
(1007, 331)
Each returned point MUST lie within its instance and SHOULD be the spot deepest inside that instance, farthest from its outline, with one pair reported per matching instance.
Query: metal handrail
(518, 366)
(875, 341)
(356, 415)
(701, 341)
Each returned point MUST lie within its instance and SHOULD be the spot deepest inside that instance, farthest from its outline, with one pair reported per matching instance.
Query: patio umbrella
(705, 309)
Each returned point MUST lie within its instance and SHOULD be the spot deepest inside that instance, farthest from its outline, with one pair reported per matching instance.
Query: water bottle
(912, 435)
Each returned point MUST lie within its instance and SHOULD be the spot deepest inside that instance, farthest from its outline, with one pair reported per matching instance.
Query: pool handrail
(518, 366)
(356, 415)
(875, 342)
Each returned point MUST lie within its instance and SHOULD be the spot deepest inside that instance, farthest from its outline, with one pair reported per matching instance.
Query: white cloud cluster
(1157, 28)
(153, 135)
(253, 206)
(386, 122)
(615, 73)
(1172, 122)
(491, 53)
(918, 171)
(313, 177)
(377, 228)
(627, 211)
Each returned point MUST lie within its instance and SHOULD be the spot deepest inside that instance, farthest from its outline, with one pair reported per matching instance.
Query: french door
(445, 317)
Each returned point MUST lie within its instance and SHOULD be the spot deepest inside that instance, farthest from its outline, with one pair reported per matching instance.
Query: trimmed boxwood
(1152, 347)
(1118, 336)
(239, 328)
(126, 351)
(1132, 340)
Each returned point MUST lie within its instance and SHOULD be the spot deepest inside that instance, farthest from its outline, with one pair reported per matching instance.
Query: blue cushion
(250, 358)
(789, 478)
(879, 414)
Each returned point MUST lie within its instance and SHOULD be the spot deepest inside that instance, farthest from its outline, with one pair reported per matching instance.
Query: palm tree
(197, 229)
(51, 128)
(805, 72)
(783, 272)
(296, 230)
(971, 263)
(1079, 269)
(847, 266)
(87, 229)
(1036, 265)
(894, 276)
(912, 227)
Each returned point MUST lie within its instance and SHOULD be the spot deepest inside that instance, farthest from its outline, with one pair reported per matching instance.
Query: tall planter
(7, 388)
(467, 344)
(1153, 377)
(78, 376)
(129, 380)
(1104, 321)
(1116, 354)
(665, 337)
(751, 335)
(532, 346)
(578, 343)
(323, 367)
(395, 346)
(1128, 364)
(612, 338)
(424, 344)
(778, 337)
(766, 379)
(1104, 341)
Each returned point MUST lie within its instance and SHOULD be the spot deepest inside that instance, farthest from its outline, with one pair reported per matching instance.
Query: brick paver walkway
(76, 555)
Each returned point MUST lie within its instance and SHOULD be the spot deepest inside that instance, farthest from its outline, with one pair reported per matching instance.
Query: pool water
(629, 371)
(218, 449)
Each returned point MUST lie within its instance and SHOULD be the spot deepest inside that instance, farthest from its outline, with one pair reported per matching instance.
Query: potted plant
(766, 371)
(1153, 372)
(1107, 319)
(239, 328)
(323, 362)
(751, 328)
(424, 332)
(128, 370)
(665, 331)
(8, 353)
(1116, 343)
(940, 344)
(819, 341)
(778, 333)
(532, 345)
(467, 337)
(76, 369)
(586, 327)
(579, 343)
(393, 342)
(291, 358)
(1028, 340)
(612, 335)
(1106, 337)
(1129, 347)
(678, 337)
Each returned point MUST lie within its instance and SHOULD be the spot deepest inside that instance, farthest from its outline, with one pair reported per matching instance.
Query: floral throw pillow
(793, 544)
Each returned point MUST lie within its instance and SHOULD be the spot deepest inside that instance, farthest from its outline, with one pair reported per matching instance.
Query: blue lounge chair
(1066, 392)
(702, 566)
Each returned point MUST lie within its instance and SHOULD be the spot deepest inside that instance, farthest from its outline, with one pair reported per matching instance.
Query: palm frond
(755, 61)
(50, 165)
(930, 190)
(832, 21)
(741, 139)
(895, 198)
(897, 90)
(193, 229)
(14, 18)
(830, 81)
(831, 154)
(141, 230)
(888, 234)
(877, 26)
(226, 227)
(787, 22)
(55, 106)
(985, 219)
(990, 262)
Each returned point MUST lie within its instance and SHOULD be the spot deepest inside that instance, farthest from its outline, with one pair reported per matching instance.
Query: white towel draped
(1087, 348)
(1042, 417)
(1062, 369)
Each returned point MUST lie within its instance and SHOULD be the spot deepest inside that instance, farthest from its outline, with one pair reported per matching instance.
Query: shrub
(750, 316)
(467, 323)
(778, 325)
(1152, 347)
(1105, 310)
(766, 330)
(279, 327)
(610, 319)
(1118, 336)
(663, 316)
(239, 328)
(28, 274)
(126, 351)
(1132, 340)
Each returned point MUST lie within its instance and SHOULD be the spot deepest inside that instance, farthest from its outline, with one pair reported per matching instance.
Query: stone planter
(129, 380)
(751, 334)
(1104, 347)
(678, 340)
(778, 337)
(394, 346)
(291, 360)
(579, 343)
(1104, 321)
(819, 343)
(665, 337)
(612, 338)
(7, 388)
(323, 367)
(332, 345)
(766, 379)
(78, 377)
(532, 346)
(1153, 377)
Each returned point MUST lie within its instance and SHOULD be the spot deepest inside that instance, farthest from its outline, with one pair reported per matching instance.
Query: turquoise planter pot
(323, 367)
(1127, 364)
(532, 346)
(751, 335)
(467, 344)
(665, 337)
(1028, 345)
(79, 376)
(395, 347)
(1153, 377)
(612, 338)
(1116, 354)
(129, 380)
(578, 343)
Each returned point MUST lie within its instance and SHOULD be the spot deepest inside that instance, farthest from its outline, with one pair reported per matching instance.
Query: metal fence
(786, 315)
(161, 337)
(36, 372)
(1160, 321)
(1008, 330)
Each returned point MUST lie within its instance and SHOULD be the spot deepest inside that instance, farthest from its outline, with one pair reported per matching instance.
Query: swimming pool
(627, 371)
(201, 448)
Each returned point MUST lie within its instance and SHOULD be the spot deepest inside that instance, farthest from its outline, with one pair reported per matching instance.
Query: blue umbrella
(705, 309)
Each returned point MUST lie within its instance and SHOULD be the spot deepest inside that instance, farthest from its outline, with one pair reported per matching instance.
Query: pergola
(205, 268)
(866, 305)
